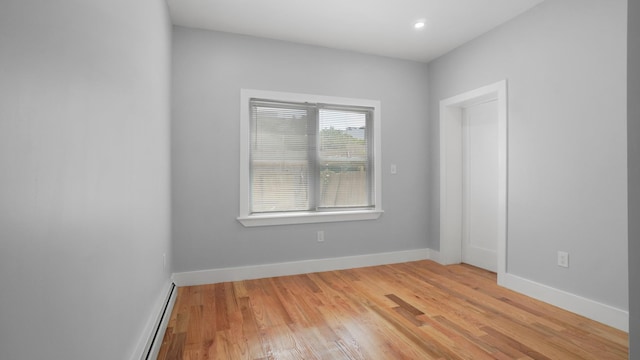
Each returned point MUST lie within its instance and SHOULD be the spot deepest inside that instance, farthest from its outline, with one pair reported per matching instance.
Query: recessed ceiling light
(419, 24)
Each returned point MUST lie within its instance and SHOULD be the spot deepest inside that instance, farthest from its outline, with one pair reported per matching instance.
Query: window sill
(308, 217)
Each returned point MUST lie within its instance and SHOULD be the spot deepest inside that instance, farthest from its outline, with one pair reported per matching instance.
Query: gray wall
(209, 69)
(565, 62)
(633, 133)
(84, 179)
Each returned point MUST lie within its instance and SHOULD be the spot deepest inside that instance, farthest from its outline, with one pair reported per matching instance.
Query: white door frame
(451, 172)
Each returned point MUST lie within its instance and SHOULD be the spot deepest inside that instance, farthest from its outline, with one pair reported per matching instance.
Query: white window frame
(304, 217)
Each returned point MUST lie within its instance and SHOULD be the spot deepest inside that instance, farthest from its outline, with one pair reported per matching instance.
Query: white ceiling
(380, 27)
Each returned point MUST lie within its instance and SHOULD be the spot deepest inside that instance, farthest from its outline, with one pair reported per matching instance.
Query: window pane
(280, 168)
(344, 159)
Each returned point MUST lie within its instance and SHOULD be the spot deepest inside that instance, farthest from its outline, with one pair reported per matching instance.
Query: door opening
(452, 173)
(480, 185)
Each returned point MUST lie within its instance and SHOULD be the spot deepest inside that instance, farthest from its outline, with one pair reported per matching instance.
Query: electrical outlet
(563, 259)
(394, 169)
(320, 236)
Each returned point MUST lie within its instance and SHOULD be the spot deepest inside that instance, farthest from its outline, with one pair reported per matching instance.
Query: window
(308, 159)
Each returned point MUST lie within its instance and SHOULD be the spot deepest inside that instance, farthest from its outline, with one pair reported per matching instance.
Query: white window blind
(310, 157)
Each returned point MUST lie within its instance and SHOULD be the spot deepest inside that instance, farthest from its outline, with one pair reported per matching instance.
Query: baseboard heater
(153, 347)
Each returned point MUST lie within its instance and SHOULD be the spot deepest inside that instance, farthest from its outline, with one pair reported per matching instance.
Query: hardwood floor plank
(404, 305)
(222, 318)
(176, 347)
(514, 344)
(249, 329)
(415, 310)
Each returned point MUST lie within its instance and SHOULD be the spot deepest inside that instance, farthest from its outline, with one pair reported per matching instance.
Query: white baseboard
(591, 309)
(151, 340)
(435, 256)
(296, 267)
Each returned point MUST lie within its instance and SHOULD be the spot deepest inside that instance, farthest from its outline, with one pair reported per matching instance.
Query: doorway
(480, 185)
(461, 211)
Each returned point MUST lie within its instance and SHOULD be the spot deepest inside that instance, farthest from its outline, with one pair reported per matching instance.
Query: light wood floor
(416, 310)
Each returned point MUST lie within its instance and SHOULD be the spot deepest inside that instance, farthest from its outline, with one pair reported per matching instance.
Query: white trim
(436, 256)
(307, 217)
(296, 267)
(591, 309)
(248, 219)
(451, 172)
(146, 344)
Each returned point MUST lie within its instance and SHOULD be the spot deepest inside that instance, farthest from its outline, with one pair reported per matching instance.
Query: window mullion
(370, 163)
(314, 143)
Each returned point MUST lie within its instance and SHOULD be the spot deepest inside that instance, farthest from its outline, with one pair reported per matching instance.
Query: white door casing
(451, 172)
